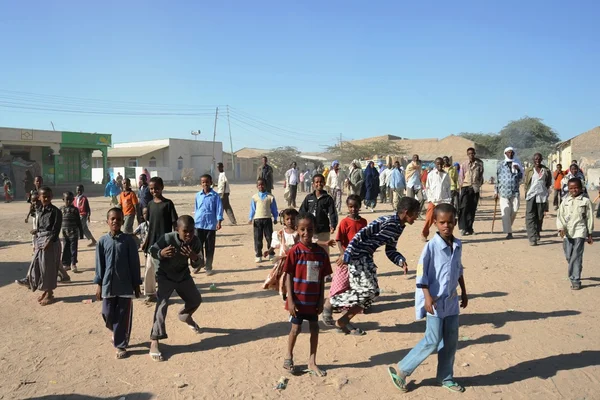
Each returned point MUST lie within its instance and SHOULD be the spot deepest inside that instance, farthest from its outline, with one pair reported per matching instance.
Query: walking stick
(495, 212)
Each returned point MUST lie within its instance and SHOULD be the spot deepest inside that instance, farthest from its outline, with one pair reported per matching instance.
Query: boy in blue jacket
(208, 216)
(117, 279)
(112, 190)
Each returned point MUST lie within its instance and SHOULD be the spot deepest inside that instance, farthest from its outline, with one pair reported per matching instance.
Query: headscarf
(515, 160)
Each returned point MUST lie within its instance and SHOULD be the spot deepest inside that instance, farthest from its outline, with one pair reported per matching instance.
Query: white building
(167, 158)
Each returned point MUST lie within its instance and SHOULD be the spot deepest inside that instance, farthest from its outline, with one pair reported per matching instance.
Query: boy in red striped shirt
(306, 267)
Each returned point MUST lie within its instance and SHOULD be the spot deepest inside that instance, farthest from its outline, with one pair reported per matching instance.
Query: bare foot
(49, 299)
(42, 297)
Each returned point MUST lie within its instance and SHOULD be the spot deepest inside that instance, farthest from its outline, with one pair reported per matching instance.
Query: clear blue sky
(413, 69)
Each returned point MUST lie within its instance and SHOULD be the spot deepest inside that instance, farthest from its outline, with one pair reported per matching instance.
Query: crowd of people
(177, 246)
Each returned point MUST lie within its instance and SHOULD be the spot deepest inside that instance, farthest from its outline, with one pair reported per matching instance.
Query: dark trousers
(574, 254)
(227, 208)
(188, 292)
(69, 255)
(117, 313)
(207, 241)
(467, 208)
(534, 218)
(455, 198)
(293, 194)
(263, 227)
(557, 198)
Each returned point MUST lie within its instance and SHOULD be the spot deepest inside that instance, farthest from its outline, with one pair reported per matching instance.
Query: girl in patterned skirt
(363, 288)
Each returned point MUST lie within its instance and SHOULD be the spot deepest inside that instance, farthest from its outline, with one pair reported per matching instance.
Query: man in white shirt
(292, 178)
(335, 182)
(438, 191)
(384, 173)
(223, 191)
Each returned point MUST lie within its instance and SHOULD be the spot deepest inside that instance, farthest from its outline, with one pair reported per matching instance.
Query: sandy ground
(525, 334)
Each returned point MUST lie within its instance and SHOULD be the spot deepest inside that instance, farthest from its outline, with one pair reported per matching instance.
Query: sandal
(453, 387)
(156, 357)
(350, 329)
(397, 380)
(288, 365)
(319, 373)
(121, 353)
(195, 328)
(328, 318)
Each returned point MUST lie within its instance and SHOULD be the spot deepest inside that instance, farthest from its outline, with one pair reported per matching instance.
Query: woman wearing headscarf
(371, 187)
(355, 178)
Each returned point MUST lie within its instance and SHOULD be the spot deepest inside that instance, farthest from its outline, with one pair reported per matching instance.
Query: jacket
(117, 265)
(323, 208)
(529, 175)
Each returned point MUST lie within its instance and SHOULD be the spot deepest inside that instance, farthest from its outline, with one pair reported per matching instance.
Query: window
(132, 162)
(152, 162)
(180, 163)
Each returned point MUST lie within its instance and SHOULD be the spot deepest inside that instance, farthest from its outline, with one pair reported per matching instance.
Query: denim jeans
(441, 334)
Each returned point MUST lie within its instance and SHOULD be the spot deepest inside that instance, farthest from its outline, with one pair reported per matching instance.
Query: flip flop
(156, 357)
(320, 373)
(453, 387)
(397, 380)
(288, 365)
(195, 328)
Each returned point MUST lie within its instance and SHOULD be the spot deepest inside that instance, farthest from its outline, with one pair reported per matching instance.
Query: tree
(281, 158)
(527, 135)
(348, 151)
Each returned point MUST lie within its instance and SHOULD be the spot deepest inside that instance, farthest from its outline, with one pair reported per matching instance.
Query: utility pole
(214, 166)
(231, 145)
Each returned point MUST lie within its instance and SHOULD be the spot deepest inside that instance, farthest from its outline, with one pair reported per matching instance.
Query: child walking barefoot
(283, 240)
(439, 273)
(306, 267)
(348, 228)
(43, 271)
(118, 279)
(363, 287)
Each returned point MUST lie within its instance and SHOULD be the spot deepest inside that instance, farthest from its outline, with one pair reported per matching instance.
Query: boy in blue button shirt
(207, 217)
(439, 273)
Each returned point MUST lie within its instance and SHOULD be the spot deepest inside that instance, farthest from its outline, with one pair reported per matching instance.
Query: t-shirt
(290, 239)
(347, 229)
(308, 267)
(161, 217)
(128, 201)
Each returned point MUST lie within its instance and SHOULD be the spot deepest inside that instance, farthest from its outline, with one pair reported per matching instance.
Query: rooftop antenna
(52, 123)
(196, 133)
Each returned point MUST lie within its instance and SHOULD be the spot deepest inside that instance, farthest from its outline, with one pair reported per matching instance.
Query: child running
(175, 250)
(208, 216)
(306, 267)
(43, 271)
(129, 203)
(262, 207)
(439, 273)
(85, 213)
(363, 288)
(118, 280)
(575, 223)
(322, 206)
(162, 218)
(72, 231)
(348, 228)
(283, 240)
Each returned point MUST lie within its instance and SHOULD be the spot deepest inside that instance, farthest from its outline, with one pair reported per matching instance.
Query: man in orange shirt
(558, 176)
(128, 202)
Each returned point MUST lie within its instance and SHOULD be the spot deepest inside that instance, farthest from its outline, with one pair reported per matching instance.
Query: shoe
(22, 282)
(209, 272)
(534, 243)
(151, 298)
(328, 278)
(257, 259)
(74, 269)
(93, 244)
(67, 267)
(509, 236)
(271, 257)
(463, 232)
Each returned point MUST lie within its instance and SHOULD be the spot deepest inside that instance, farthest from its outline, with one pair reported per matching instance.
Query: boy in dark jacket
(174, 251)
(118, 279)
(322, 206)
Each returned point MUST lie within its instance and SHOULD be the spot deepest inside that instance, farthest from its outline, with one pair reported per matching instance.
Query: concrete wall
(195, 154)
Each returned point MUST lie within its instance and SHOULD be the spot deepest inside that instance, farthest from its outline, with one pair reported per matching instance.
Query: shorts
(299, 318)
